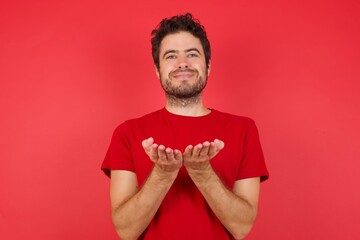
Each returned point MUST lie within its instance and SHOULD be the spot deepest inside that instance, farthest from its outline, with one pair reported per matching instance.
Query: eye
(191, 55)
(170, 57)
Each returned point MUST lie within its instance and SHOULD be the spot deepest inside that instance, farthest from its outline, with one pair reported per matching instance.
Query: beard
(183, 90)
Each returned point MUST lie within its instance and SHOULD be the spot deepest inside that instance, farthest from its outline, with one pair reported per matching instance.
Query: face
(183, 72)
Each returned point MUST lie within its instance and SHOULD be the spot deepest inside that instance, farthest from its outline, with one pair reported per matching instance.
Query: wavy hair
(176, 24)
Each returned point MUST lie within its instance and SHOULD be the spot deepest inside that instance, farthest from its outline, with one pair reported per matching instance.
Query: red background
(70, 71)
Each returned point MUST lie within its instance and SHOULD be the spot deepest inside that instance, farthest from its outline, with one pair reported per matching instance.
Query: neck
(186, 107)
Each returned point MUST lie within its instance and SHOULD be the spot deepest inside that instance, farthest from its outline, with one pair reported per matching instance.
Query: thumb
(146, 144)
(219, 144)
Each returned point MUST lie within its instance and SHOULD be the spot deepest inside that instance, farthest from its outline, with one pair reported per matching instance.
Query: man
(185, 171)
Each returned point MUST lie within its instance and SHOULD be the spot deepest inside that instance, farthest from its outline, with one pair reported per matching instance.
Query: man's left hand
(197, 159)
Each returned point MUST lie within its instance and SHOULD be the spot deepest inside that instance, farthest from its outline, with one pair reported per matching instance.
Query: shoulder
(146, 119)
(233, 118)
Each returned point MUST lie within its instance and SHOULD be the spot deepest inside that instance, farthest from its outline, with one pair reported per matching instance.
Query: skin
(236, 208)
(183, 67)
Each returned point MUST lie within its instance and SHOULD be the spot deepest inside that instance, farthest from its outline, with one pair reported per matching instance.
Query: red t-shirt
(184, 213)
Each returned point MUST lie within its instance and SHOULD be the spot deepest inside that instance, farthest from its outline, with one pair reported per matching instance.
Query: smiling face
(182, 67)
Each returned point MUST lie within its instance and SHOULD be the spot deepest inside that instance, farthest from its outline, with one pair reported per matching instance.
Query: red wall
(70, 71)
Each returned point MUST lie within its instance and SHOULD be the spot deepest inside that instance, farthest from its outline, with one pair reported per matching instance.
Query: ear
(209, 68)
(157, 72)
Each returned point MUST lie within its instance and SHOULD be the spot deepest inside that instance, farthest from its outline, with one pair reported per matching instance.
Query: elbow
(123, 231)
(242, 230)
(124, 234)
(120, 230)
(242, 233)
(240, 236)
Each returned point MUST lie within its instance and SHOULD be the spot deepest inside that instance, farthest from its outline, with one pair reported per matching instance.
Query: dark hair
(177, 24)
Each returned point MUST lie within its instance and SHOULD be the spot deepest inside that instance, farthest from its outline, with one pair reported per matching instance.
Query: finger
(188, 152)
(161, 152)
(146, 144)
(153, 153)
(219, 144)
(197, 149)
(178, 156)
(212, 150)
(169, 154)
(205, 149)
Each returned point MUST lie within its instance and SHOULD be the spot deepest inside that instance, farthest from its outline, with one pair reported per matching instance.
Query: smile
(183, 74)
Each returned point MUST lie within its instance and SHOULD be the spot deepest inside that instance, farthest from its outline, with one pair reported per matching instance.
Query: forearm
(235, 213)
(132, 217)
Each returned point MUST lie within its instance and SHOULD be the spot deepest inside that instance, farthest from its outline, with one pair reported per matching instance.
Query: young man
(185, 171)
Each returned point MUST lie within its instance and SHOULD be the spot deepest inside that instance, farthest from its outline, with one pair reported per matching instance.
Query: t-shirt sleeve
(252, 160)
(118, 156)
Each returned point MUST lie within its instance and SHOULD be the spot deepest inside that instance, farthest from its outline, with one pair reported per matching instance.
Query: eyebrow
(176, 51)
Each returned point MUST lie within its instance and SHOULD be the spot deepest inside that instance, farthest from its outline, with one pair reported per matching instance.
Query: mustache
(182, 70)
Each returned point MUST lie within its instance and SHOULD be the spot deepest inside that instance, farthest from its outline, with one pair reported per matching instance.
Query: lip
(183, 74)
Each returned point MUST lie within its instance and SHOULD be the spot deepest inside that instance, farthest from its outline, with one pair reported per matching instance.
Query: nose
(183, 63)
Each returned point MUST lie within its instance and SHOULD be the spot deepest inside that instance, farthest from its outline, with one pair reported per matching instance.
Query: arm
(236, 209)
(133, 209)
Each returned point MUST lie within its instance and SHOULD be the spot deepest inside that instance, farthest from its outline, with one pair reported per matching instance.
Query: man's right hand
(167, 161)
(133, 208)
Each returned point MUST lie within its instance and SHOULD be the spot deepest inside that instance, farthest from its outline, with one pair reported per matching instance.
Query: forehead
(180, 41)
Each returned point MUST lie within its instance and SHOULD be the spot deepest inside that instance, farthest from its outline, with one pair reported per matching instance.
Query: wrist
(201, 175)
(162, 176)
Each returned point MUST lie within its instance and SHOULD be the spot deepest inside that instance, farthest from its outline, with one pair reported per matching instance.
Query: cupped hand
(198, 157)
(166, 159)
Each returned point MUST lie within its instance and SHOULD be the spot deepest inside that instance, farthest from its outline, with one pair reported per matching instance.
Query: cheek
(163, 74)
(201, 68)
(165, 70)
